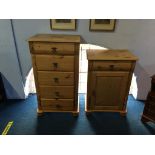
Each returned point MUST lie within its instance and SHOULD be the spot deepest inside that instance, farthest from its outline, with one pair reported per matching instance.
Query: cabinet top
(99, 54)
(55, 38)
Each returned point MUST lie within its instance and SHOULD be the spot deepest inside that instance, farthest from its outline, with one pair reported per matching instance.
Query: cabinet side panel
(89, 86)
(35, 76)
(76, 75)
(128, 85)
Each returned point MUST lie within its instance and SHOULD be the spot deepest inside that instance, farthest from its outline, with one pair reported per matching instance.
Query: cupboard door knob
(54, 50)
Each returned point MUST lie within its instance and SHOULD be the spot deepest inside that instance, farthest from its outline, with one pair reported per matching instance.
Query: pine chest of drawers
(109, 78)
(55, 60)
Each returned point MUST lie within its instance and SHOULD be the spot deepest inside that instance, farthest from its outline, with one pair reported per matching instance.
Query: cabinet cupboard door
(108, 90)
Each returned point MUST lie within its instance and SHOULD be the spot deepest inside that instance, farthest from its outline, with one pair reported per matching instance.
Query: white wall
(9, 66)
(135, 35)
(143, 45)
(28, 27)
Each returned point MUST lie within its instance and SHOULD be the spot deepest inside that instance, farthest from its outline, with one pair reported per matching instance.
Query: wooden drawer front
(54, 48)
(57, 92)
(55, 63)
(57, 104)
(111, 65)
(56, 78)
(57, 109)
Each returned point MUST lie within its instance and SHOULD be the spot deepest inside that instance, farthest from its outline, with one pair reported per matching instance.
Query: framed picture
(102, 24)
(63, 24)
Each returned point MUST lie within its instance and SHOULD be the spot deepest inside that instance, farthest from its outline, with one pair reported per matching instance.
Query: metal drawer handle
(56, 80)
(54, 50)
(55, 65)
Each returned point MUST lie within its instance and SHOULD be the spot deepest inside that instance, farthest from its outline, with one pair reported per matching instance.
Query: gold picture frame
(102, 24)
(63, 24)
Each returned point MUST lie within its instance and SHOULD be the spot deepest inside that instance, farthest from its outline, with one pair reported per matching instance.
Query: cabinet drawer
(111, 65)
(55, 78)
(57, 103)
(57, 92)
(54, 48)
(57, 109)
(55, 63)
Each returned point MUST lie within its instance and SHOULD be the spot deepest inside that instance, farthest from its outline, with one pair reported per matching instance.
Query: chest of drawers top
(55, 38)
(110, 55)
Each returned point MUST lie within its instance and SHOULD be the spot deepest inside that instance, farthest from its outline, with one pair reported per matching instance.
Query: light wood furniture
(149, 108)
(55, 60)
(109, 78)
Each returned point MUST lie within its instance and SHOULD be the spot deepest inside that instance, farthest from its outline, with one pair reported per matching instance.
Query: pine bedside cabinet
(109, 78)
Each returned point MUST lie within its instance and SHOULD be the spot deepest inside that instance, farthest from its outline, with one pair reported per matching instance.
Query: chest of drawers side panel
(35, 77)
(76, 76)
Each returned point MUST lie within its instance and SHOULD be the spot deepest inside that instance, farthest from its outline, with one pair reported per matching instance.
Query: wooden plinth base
(75, 114)
(122, 113)
(39, 112)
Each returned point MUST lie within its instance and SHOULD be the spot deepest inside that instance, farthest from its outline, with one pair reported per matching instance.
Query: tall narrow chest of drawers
(55, 60)
(109, 78)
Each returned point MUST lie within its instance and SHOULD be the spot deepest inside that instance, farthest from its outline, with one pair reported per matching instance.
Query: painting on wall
(63, 24)
(102, 24)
